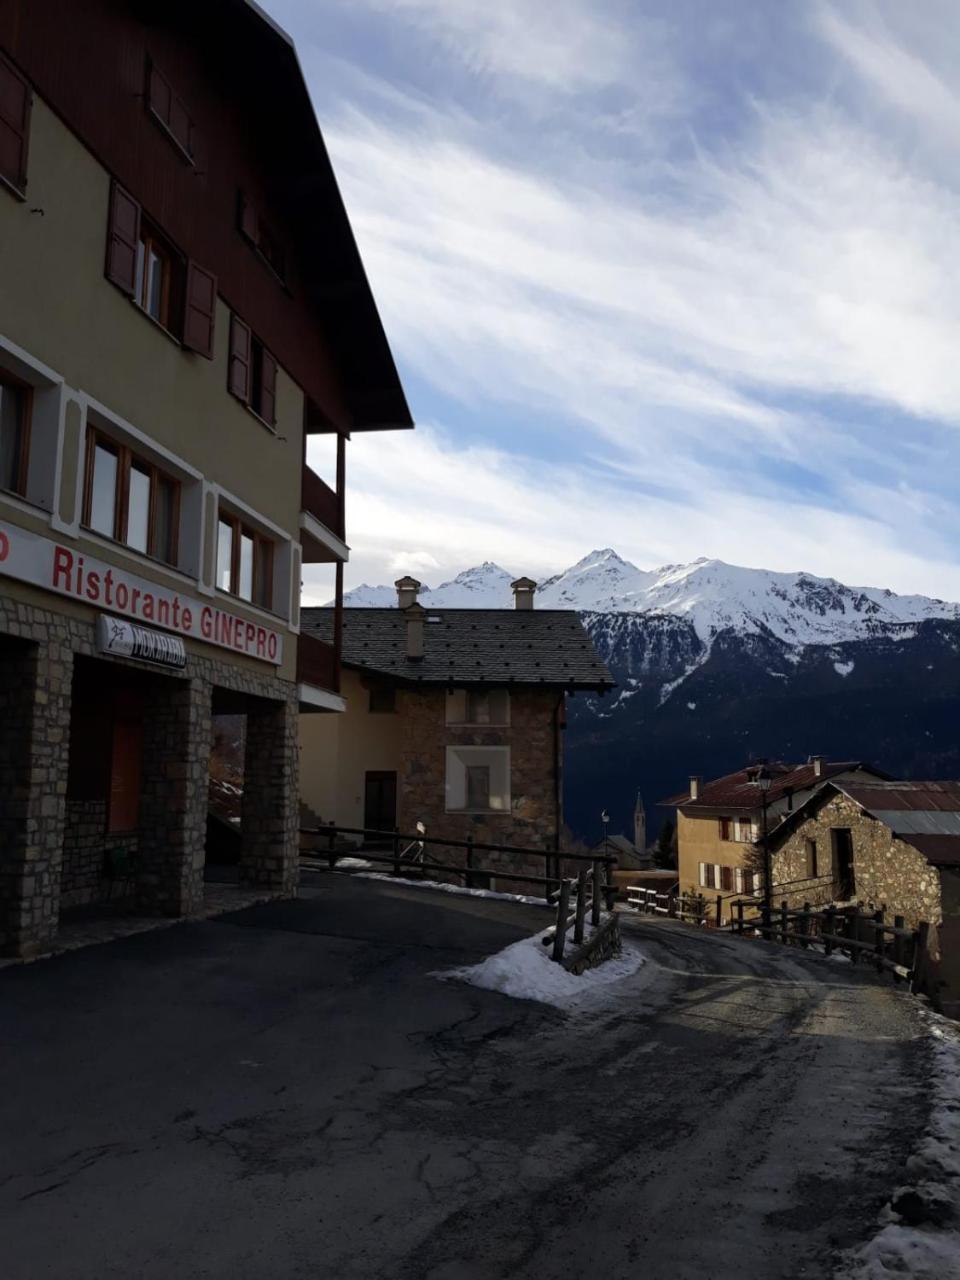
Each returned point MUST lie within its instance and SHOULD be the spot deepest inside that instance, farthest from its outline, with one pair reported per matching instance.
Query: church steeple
(639, 825)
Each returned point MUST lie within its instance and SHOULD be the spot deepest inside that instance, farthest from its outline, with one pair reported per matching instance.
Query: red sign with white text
(54, 567)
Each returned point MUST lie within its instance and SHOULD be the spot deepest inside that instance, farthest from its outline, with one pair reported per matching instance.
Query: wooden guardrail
(410, 850)
(587, 893)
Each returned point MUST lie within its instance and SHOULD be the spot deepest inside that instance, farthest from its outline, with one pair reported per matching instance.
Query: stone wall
(532, 820)
(86, 848)
(888, 872)
(37, 650)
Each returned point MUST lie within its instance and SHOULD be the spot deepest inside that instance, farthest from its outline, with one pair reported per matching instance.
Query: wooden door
(380, 801)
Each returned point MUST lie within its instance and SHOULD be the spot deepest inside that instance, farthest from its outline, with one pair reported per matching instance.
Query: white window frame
(459, 758)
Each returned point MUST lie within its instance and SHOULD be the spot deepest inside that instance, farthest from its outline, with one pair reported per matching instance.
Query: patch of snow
(691, 706)
(460, 889)
(779, 675)
(843, 668)
(525, 971)
(924, 1251)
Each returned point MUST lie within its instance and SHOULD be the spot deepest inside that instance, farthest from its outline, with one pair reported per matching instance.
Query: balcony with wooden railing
(318, 664)
(323, 528)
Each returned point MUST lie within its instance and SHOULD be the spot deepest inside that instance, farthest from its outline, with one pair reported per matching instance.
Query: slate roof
(469, 646)
(925, 815)
(736, 792)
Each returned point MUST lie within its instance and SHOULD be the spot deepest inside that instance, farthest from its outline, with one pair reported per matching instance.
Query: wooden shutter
(200, 308)
(249, 222)
(238, 373)
(159, 95)
(15, 100)
(268, 389)
(123, 237)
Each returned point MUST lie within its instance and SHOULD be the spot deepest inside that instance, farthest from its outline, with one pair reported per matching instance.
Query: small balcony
(318, 674)
(321, 521)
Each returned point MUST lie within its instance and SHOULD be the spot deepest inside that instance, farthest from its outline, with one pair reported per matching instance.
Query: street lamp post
(761, 778)
(605, 819)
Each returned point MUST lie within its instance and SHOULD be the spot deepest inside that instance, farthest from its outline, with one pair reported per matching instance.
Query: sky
(677, 278)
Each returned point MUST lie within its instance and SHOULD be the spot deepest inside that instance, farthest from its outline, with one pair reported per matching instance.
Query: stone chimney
(415, 615)
(407, 591)
(817, 762)
(695, 782)
(523, 590)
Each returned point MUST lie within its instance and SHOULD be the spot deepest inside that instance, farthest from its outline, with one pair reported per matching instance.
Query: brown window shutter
(238, 374)
(125, 774)
(249, 222)
(123, 237)
(199, 310)
(268, 389)
(159, 95)
(15, 101)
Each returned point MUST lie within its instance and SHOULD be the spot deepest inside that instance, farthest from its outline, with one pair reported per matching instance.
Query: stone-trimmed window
(16, 402)
(479, 707)
(478, 780)
(244, 561)
(130, 499)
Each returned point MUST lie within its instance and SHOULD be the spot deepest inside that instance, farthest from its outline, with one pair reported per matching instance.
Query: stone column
(35, 688)
(270, 854)
(173, 796)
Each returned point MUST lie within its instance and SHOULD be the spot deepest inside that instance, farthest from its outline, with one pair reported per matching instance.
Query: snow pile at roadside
(525, 971)
(450, 888)
(920, 1237)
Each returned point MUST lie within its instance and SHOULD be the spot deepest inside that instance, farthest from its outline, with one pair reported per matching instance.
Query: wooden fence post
(922, 937)
(805, 926)
(784, 936)
(898, 947)
(719, 910)
(468, 878)
(595, 906)
(765, 932)
(396, 851)
(563, 910)
(829, 929)
(878, 938)
(582, 878)
(740, 917)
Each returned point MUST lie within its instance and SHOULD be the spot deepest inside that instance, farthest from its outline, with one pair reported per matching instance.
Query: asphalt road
(288, 1092)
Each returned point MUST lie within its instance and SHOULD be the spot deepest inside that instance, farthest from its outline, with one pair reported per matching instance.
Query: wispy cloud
(752, 333)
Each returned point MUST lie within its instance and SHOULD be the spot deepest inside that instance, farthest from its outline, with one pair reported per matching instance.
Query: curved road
(290, 1092)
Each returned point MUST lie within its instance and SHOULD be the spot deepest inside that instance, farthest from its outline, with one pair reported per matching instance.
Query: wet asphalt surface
(289, 1092)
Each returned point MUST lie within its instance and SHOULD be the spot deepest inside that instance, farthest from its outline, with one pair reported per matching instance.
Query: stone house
(454, 718)
(720, 822)
(893, 845)
(176, 319)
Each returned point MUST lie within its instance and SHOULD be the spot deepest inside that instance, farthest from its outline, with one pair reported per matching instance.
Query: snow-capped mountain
(717, 664)
(711, 596)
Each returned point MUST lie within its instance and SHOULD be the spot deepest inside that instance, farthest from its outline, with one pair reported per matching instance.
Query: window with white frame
(745, 830)
(478, 780)
(478, 706)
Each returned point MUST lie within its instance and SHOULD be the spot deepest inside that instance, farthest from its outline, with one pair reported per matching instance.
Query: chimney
(817, 762)
(407, 591)
(695, 787)
(523, 590)
(415, 613)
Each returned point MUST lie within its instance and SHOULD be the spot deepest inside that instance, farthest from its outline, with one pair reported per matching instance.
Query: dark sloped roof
(735, 791)
(469, 646)
(899, 796)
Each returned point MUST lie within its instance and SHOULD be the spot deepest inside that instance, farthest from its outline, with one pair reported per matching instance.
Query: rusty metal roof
(736, 792)
(899, 796)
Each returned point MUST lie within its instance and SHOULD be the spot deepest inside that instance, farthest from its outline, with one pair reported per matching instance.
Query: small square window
(383, 699)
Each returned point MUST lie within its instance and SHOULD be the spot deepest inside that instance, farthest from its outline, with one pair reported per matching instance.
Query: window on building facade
(244, 561)
(15, 102)
(170, 112)
(478, 779)
(15, 404)
(726, 828)
(383, 699)
(745, 881)
(745, 830)
(262, 237)
(179, 294)
(478, 706)
(252, 372)
(130, 499)
(811, 852)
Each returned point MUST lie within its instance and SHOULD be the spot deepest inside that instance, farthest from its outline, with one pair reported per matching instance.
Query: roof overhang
(320, 546)
(313, 699)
